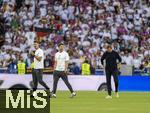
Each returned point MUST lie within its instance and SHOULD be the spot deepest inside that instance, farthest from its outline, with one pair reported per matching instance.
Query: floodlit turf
(95, 102)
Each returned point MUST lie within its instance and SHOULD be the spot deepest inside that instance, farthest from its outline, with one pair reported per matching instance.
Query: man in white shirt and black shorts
(37, 72)
(60, 70)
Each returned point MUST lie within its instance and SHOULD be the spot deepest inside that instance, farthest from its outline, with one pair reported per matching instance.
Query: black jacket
(111, 60)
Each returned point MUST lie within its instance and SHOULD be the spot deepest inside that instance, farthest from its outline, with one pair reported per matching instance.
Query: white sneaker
(108, 97)
(117, 95)
(34, 94)
(73, 95)
(53, 95)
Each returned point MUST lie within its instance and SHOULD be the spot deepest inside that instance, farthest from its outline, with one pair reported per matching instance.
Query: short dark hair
(86, 61)
(60, 44)
(36, 42)
(109, 46)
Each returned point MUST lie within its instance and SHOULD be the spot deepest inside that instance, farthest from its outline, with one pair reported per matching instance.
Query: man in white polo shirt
(37, 72)
(60, 70)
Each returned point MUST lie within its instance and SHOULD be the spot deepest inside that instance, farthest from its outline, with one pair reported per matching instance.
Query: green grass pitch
(95, 102)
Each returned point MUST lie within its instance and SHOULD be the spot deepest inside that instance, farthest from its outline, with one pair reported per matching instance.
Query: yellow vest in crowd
(86, 69)
(32, 65)
(148, 65)
(21, 68)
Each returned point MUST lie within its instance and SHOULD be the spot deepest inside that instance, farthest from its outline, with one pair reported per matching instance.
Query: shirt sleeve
(67, 57)
(103, 58)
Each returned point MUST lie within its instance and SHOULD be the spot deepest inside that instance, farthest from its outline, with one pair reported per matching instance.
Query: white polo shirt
(39, 64)
(61, 58)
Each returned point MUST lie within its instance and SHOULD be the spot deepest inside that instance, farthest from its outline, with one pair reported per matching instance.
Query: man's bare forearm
(55, 63)
(38, 58)
(66, 65)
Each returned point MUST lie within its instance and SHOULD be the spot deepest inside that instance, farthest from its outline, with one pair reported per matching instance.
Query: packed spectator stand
(85, 26)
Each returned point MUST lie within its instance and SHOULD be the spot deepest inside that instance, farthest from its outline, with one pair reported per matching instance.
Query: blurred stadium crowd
(85, 26)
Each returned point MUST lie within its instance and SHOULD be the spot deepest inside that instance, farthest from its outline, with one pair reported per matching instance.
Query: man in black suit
(111, 68)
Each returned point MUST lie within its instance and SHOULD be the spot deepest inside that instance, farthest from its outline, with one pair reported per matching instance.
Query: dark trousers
(56, 76)
(113, 73)
(37, 75)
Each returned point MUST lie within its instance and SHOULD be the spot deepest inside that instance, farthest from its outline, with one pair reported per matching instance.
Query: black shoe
(32, 96)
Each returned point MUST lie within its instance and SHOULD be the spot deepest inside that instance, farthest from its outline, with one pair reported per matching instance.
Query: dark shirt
(76, 70)
(12, 67)
(111, 60)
